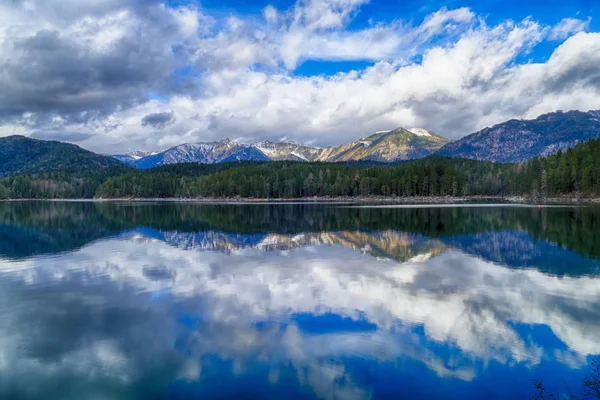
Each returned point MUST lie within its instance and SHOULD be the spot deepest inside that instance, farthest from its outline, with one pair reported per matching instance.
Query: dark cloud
(82, 73)
(61, 136)
(158, 120)
(67, 11)
(586, 73)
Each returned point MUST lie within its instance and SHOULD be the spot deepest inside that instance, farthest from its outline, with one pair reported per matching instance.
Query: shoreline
(345, 200)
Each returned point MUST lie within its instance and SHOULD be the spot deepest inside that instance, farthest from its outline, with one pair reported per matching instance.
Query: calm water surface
(180, 301)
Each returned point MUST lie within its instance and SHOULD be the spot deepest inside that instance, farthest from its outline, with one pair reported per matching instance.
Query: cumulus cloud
(103, 66)
(567, 27)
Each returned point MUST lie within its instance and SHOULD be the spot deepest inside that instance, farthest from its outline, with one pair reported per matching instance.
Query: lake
(296, 301)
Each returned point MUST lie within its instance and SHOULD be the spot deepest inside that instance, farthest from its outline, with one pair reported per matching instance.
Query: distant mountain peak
(137, 154)
(520, 140)
(386, 146)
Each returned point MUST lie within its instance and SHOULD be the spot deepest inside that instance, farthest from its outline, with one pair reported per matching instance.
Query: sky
(120, 75)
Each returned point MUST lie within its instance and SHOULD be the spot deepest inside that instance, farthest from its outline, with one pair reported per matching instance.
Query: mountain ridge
(384, 146)
(395, 145)
(518, 140)
(510, 141)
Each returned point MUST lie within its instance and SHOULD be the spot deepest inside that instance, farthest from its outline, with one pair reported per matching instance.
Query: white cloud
(271, 14)
(466, 86)
(241, 80)
(445, 19)
(314, 15)
(568, 27)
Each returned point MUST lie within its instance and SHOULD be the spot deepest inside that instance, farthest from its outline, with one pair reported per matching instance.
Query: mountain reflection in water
(105, 300)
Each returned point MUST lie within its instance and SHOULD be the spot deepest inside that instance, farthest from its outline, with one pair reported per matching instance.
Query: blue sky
(120, 75)
(549, 12)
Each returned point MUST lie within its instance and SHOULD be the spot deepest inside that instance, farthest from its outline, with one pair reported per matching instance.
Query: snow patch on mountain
(299, 156)
(286, 150)
(419, 131)
(133, 156)
(137, 154)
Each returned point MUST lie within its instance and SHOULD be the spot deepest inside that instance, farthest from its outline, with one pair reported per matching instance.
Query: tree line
(574, 172)
(432, 176)
(58, 185)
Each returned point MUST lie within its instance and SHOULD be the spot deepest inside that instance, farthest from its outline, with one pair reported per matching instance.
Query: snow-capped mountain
(206, 153)
(399, 246)
(385, 146)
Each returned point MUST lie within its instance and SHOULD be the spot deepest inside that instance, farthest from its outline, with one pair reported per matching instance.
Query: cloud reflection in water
(110, 310)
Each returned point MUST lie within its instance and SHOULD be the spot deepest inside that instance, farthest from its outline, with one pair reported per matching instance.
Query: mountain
(246, 154)
(387, 146)
(520, 140)
(286, 150)
(23, 155)
(205, 153)
(399, 246)
(131, 157)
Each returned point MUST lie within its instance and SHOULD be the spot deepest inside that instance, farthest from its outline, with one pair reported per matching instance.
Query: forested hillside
(161, 182)
(58, 185)
(22, 155)
(575, 172)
